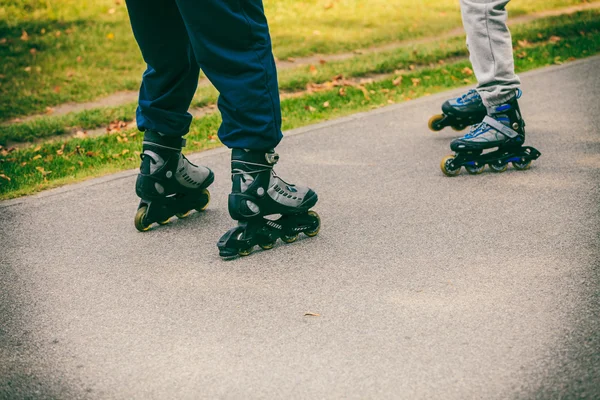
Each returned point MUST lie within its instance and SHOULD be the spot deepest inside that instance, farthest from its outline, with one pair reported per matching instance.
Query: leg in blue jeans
(230, 41)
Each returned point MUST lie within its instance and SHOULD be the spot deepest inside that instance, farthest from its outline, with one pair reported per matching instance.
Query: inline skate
(168, 184)
(257, 192)
(504, 129)
(459, 113)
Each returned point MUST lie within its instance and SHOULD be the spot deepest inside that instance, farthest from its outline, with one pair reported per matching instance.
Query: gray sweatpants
(490, 47)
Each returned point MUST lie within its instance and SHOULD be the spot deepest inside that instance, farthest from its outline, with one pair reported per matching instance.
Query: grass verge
(30, 170)
(399, 60)
(53, 52)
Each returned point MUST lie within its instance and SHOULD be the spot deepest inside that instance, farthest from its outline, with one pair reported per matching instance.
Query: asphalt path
(422, 286)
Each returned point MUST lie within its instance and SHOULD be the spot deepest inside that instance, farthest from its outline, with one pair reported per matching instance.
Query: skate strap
(499, 126)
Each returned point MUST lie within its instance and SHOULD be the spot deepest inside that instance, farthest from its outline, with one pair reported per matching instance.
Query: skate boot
(503, 129)
(168, 184)
(459, 113)
(257, 193)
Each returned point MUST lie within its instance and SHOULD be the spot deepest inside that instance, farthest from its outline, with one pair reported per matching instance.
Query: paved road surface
(427, 287)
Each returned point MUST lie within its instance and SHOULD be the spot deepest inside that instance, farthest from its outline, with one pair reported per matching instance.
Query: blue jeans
(229, 40)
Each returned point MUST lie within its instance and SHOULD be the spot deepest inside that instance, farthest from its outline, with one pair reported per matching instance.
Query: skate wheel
(267, 246)
(183, 215)
(434, 121)
(458, 128)
(289, 238)
(474, 169)
(447, 168)
(315, 231)
(522, 166)
(165, 222)
(138, 221)
(205, 206)
(245, 252)
(498, 167)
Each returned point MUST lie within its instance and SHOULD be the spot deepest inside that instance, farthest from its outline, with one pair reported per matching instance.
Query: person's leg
(168, 184)
(171, 77)
(233, 47)
(491, 51)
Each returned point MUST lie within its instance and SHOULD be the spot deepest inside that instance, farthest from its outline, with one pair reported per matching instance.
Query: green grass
(51, 165)
(77, 51)
(297, 79)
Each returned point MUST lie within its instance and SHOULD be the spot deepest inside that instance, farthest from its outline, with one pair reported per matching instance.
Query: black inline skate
(168, 184)
(459, 113)
(504, 129)
(257, 193)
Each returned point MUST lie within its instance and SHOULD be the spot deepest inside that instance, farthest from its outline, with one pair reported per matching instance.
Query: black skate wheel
(475, 169)
(434, 121)
(245, 252)
(289, 238)
(498, 166)
(522, 166)
(165, 222)
(206, 193)
(315, 231)
(140, 215)
(447, 168)
(267, 246)
(183, 215)
(459, 128)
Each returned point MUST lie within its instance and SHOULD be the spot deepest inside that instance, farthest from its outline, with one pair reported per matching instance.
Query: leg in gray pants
(490, 46)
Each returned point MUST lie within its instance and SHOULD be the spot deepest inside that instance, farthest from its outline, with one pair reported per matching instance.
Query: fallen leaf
(36, 157)
(24, 163)
(38, 148)
(32, 51)
(342, 91)
(24, 36)
(326, 104)
(125, 151)
(554, 39)
(80, 163)
(111, 10)
(397, 81)
(3, 40)
(79, 59)
(416, 81)
(27, 69)
(43, 171)
(467, 71)
(49, 110)
(412, 67)
(365, 92)
(110, 36)
(310, 108)
(56, 89)
(4, 177)
(90, 154)
(291, 59)
(312, 69)
(322, 62)
(523, 43)
(310, 314)
(80, 134)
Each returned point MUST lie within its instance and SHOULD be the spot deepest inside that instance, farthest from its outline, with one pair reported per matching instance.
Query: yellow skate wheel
(207, 194)
(522, 166)
(447, 168)
(315, 231)
(475, 169)
(290, 238)
(139, 219)
(184, 215)
(245, 252)
(165, 222)
(267, 246)
(498, 167)
(433, 122)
